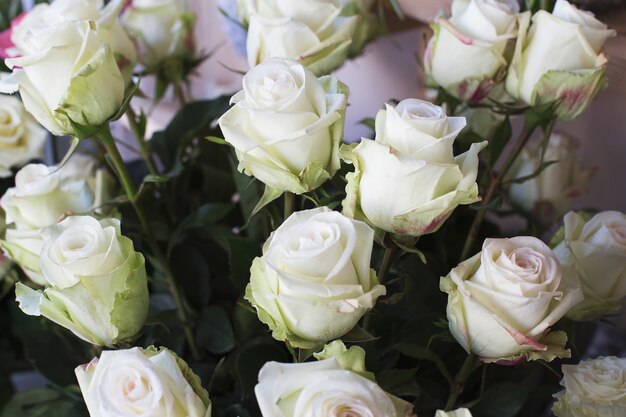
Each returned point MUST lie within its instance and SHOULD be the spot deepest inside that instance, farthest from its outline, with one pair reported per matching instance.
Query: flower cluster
(557, 57)
(193, 262)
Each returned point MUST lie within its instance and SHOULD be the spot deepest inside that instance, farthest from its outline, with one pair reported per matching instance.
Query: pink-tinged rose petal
(6, 43)
(521, 340)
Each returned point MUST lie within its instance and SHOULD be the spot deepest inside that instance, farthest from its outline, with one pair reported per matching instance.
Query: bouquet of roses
(253, 262)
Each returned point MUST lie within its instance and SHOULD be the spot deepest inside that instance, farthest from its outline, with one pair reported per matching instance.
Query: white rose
(595, 251)
(286, 125)
(313, 32)
(559, 58)
(552, 193)
(30, 32)
(97, 285)
(461, 412)
(314, 282)
(142, 382)
(161, 29)
(502, 302)
(466, 54)
(408, 180)
(593, 388)
(42, 196)
(88, 86)
(21, 138)
(322, 388)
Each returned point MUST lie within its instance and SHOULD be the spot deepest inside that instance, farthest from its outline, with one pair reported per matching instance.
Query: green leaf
(504, 399)
(399, 382)
(214, 331)
(358, 335)
(369, 122)
(128, 96)
(421, 353)
(48, 402)
(500, 139)
(251, 359)
(270, 194)
(241, 253)
(73, 145)
(191, 120)
(158, 179)
(203, 216)
(43, 340)
(219, 141)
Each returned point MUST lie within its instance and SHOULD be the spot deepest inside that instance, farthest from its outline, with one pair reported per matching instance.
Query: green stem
(290, 204)
(496, 181)
(471, 363)
(388, 258)
(131, 192)
(144, 147)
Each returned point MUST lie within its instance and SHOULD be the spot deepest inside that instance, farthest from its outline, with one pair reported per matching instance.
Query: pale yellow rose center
(10, 129)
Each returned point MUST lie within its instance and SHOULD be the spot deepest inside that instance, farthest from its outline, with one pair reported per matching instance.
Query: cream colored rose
(461, 412)
(21, 138)
(97, 286)
(502, 301)
(466, 54)
(31, 31)
(88, 86)
(161, 29)
(408, 180)
(559, 58)
(594, 250)
(314, 282)
(42, 196)
(552, 193)
(593, 388)
(286, 125)
(142, 382)
(313, 32)
(323, 388)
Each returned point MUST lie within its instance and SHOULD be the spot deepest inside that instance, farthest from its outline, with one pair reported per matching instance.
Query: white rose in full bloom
(593, 388)
(88, 86)
(559, 58)
(461, 412)
(161, 29)
(30, 31)
(323, 388)
(408, 180)
(42, 196)
(594, 250)
(466, 54)
(552, 193)
(314, 282)
(314, 32)
(502, 301)
(21, 138)
(142, 382)
(286, 125)
(97, 286)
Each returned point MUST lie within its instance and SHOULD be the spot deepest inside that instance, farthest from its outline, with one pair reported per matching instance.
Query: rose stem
(496, 181)
(290, 204)
(144, 147)
(388, 258)
(472, 362)
(131, 191)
